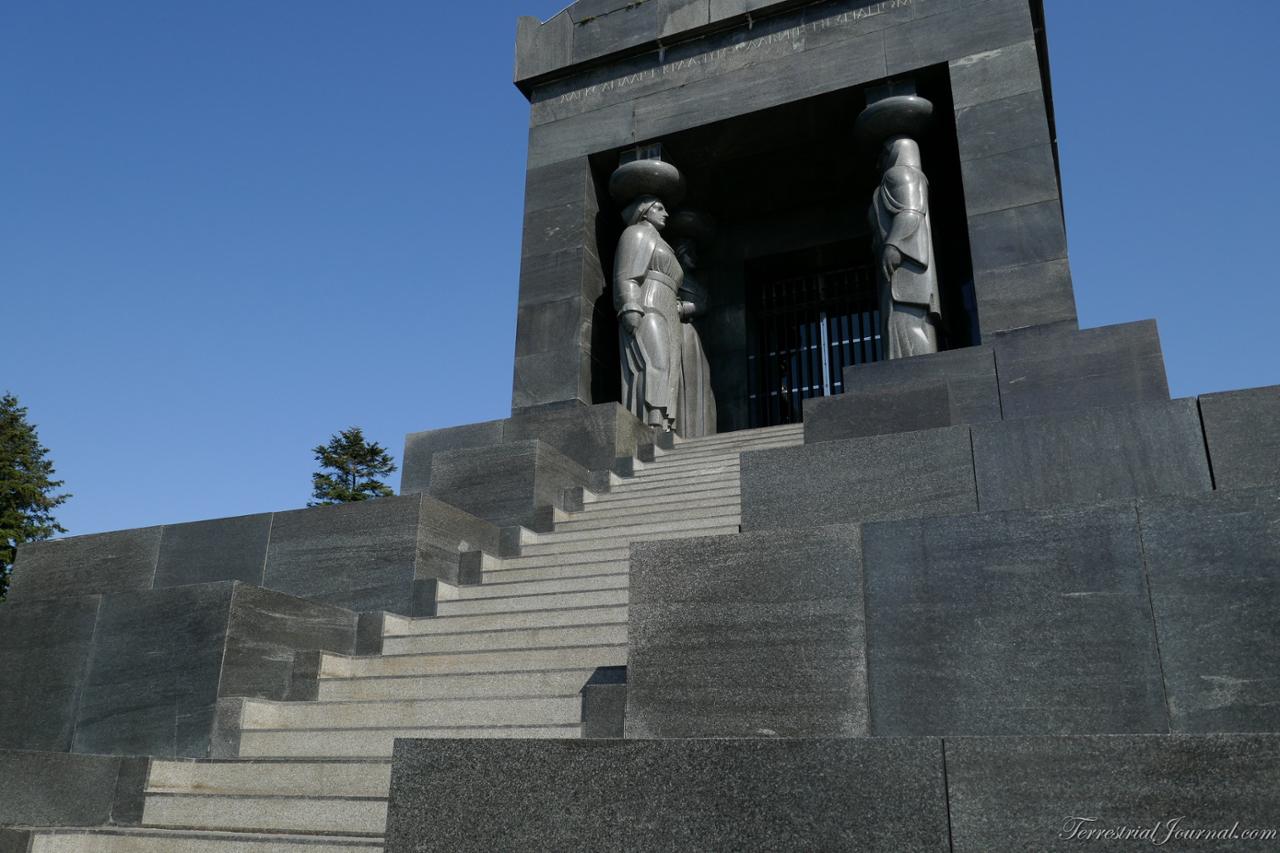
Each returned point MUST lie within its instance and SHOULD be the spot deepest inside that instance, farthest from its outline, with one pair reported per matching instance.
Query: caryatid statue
(696, 414)
(646, 284)
(910, 307)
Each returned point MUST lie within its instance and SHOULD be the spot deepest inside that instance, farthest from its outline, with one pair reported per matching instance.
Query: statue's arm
(630, 264)
(906, 197)
(692, 299)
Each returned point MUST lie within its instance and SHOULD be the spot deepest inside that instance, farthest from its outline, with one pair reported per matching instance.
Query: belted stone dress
(647, 276)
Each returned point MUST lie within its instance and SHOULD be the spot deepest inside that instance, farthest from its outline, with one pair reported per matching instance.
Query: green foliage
(351, 466)
(26, 488)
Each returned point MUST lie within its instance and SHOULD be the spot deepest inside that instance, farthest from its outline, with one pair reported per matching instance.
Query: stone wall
(365, 556)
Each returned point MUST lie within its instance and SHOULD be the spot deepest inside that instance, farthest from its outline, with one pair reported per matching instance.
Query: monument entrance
(809, 315)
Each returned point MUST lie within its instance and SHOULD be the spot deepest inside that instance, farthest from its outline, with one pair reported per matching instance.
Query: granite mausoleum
(817, 524)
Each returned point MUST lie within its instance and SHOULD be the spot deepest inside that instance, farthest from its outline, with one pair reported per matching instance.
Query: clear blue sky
(228, 230)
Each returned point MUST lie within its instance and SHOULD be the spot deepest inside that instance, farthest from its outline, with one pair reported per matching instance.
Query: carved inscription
(795, 35)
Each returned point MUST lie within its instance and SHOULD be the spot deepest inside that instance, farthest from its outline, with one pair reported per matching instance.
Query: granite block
(815, 71)
(542, 47)
(47, 645)
(718, 794)
(554, 229)
(631, 25)
(555, 376)
(222, 549)
(969, 374)
(962, 32)
(593, 436)
(558, 275)
(266, 628)
(1016, 178)
(546, 326)
(445, 535)
(1045, 793)
(415, 470)
(153, 678)
(1097, 455)
(130, 794)
(85, 565)
(604, 703)
(1025, 295)
(1011, 623)
(1214, 566)
(993, 75)
(361, 556)
(753, 635)
(505, 485)
(923, 473)
(15, 840)
(64, 789)
(1242, 430)
(579, 135)
(1017, 236)
(877, 411)
(568, 182)
(1060, 369)
(1000, 127)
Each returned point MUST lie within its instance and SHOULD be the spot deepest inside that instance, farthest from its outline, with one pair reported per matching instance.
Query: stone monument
(979, 600)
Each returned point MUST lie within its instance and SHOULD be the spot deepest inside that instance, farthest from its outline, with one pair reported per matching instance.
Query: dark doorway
(810, 315)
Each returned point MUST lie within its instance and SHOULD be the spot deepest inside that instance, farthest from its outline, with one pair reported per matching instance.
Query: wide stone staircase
(503, 659)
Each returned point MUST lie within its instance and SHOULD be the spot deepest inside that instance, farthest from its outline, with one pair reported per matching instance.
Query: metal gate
(806, 331)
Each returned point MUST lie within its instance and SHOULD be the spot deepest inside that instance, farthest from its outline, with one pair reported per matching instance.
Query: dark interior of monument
(789, 270)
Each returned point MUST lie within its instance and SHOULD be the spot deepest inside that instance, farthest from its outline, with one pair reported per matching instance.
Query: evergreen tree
(351, 465)
(26, 488)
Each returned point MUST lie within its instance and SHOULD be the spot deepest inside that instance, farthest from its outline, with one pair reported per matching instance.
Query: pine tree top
(27, 487)
(350, 468)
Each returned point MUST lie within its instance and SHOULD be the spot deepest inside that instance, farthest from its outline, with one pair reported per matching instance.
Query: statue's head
(646, 208)
(900, 151)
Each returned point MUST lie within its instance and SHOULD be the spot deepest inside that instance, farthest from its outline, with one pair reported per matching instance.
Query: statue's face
(657, 215)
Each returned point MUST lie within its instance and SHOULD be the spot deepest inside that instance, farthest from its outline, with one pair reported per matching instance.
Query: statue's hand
(890, 260)
(630, 320)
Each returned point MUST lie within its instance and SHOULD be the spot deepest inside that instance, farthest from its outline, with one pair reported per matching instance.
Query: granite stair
(506, 658)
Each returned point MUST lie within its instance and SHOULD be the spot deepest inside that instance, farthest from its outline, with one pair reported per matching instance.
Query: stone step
(502, 574)
(499, 621)
(691, 520)
(553, 682)
(685, 454)
(547, 601)
(722, 526)
(656, 497)
(606, 514)
(260, 714)
(145, 840)
(495, 587)
(679, 473)
(377, 743)
(258, 813)
(741, 434)
(609, 634)
(293, 778)
(676, 487)
(583, 657)
(539, 561)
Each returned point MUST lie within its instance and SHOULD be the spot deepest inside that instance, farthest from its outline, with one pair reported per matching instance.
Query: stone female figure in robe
(646, 283)
(909, 300)
(696, 414)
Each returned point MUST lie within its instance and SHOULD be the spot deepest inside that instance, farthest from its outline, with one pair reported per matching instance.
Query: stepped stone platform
(1009, 596)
